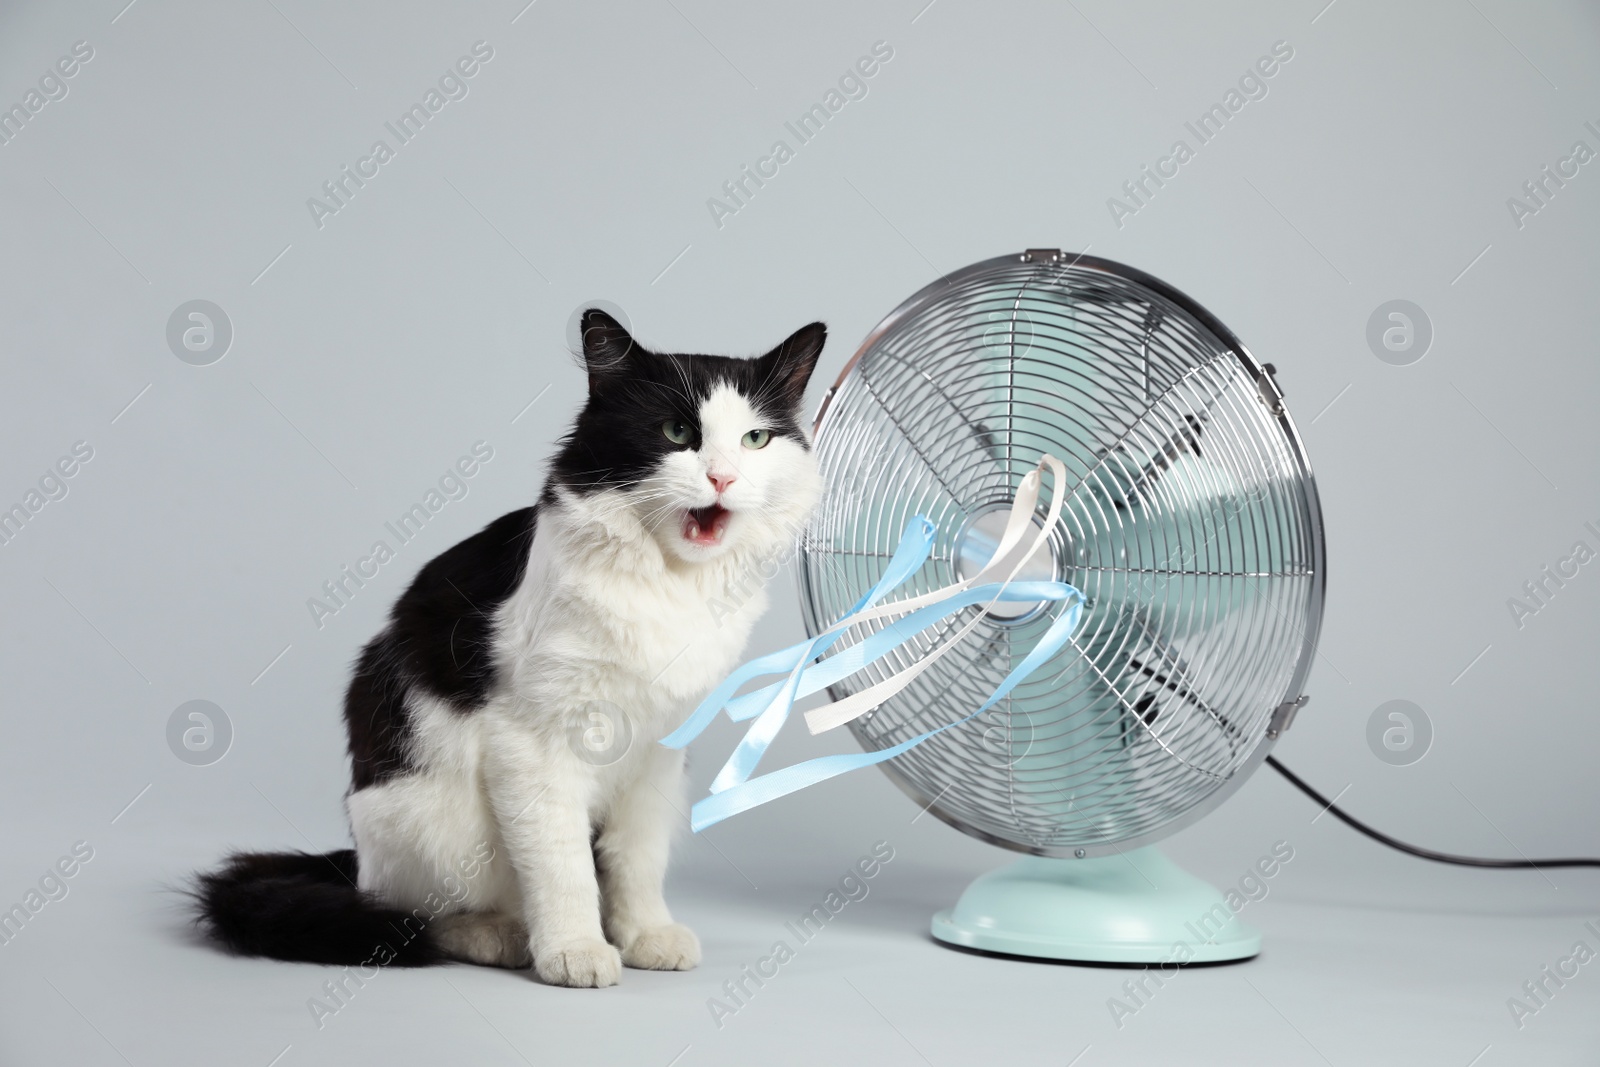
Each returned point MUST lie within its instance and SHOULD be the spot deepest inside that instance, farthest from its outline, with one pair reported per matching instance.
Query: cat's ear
(607, 348)
(788, 367)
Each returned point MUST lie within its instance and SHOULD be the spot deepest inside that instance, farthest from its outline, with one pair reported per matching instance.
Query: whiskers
(645, 504)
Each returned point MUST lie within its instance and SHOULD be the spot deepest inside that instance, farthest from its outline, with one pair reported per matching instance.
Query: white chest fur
(602, 616)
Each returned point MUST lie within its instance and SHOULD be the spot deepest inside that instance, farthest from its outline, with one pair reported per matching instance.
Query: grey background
(426, 315)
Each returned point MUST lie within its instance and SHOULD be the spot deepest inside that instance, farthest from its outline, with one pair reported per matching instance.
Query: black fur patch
(439, 638)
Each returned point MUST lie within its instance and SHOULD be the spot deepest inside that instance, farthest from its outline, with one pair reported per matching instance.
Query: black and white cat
(482, 833)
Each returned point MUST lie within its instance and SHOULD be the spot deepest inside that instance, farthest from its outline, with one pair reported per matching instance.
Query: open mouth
(705, 526)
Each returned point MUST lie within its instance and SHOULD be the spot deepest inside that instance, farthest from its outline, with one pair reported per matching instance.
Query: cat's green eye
(757, 438)
(677, 431)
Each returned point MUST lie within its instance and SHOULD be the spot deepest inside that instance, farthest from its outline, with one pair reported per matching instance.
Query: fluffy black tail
(300, 906)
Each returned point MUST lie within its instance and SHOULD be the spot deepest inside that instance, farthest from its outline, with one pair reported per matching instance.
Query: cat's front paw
(663, 948)
(580, 964)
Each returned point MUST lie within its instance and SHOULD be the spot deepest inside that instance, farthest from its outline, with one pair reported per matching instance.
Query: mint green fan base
(1135, 908)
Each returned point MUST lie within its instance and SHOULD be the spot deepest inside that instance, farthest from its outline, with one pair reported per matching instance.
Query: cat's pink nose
(719, 480)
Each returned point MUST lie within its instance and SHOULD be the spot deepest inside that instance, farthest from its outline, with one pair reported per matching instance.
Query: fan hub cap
(975, 543)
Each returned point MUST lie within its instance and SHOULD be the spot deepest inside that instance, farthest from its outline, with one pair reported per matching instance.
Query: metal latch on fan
(1283, 715)
(1269, 390)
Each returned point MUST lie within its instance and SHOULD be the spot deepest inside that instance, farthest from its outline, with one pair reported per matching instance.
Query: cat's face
(707, 452)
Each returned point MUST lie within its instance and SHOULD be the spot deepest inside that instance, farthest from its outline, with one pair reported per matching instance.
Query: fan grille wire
(1190, 526)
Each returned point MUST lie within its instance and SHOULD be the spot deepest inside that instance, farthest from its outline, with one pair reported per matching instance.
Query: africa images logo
(852, 86)
(1252, 85)
(1540, 590)
(453, 85)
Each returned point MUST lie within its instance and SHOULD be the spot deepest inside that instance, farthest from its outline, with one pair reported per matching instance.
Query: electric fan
(1190, 523)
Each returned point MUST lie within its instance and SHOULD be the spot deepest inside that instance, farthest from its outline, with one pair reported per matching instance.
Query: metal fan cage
(1191, 525)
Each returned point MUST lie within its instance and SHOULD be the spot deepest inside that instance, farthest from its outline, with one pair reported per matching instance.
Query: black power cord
(1424, 853)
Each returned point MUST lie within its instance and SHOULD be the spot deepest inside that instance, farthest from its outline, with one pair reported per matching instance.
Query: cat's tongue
(705, 526)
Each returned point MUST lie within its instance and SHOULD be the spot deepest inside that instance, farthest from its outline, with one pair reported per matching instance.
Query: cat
(486, 827)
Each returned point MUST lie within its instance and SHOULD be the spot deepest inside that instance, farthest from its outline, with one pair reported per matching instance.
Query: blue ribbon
(916, 544)
(734, 791)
